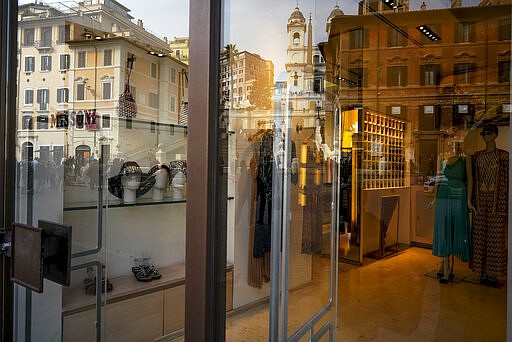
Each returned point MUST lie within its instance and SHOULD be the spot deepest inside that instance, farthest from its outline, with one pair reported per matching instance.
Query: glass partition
(102, 150)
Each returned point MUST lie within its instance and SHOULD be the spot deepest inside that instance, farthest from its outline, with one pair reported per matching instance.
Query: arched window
(296, 38)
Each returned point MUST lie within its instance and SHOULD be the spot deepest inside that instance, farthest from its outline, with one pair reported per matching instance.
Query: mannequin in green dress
(451, 225)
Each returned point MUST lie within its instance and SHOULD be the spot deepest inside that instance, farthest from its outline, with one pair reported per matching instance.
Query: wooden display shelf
(74, 299)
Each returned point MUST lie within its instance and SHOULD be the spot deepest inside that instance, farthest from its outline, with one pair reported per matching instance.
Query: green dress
(451, 227)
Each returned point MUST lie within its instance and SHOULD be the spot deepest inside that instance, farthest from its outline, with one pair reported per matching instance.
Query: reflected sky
(258, 27)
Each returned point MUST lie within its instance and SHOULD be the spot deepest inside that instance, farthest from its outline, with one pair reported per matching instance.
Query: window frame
(47, 64)
(33, 58)
(106, 117)
(111, 57)
(103, 88)
(78, 59)
(63, 91)
(25, 103)
(84, 92)
(67, 61)
(41, 91)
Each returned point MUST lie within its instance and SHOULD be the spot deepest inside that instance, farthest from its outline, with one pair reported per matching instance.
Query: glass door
(284, 170)
(101, 152)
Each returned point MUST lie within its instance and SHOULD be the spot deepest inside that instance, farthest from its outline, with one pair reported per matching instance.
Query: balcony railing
(43, 44)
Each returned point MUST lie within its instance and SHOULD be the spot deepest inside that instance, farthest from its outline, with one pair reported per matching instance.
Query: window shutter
(423, 69)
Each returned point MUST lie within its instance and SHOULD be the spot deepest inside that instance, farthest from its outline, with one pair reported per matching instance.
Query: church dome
(297, 16)
(335, 12)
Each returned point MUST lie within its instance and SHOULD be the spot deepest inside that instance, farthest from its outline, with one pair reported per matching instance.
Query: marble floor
(391, 300)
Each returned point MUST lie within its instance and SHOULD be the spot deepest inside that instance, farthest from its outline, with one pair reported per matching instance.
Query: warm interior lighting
(427, 32)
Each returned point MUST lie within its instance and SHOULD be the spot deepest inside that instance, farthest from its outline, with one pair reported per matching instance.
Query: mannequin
(161, 174)
(489, 193)
(451, 225)
(131, 182)
(178, 183)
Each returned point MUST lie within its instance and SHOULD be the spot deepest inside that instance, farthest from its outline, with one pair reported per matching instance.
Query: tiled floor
(392, 300)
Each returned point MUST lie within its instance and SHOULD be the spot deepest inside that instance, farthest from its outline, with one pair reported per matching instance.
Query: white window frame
(33, 66)
(66, 67)
(103, 117)
(48, 99)
(103, 90)
(25, 103)
(59, 89)
(49, 58)
(172, 104)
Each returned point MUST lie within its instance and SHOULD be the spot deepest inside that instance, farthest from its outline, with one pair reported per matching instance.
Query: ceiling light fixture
(428, 32)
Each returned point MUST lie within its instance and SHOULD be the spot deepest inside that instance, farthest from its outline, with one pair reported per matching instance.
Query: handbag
(127, 105)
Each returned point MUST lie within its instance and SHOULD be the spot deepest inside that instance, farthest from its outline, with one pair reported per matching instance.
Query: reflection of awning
(183, 115)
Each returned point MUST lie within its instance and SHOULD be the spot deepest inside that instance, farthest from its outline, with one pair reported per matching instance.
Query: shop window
(64, 62)
(397, 76)
(46, 63)
(504, 29)
(42, 122)
(29, 97)
(463, 72)
(430, 74)
(153, 100)
(358, 38)
(80, 91)
(81, 59)
(46, 37)
(105, 121)
(107, 57)
(106, 90)
(27, 121)
(465, 32)
(396, 38)
(43, 96)
(62, 95)
(504, 71)
(28, 37)
(30, 64)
